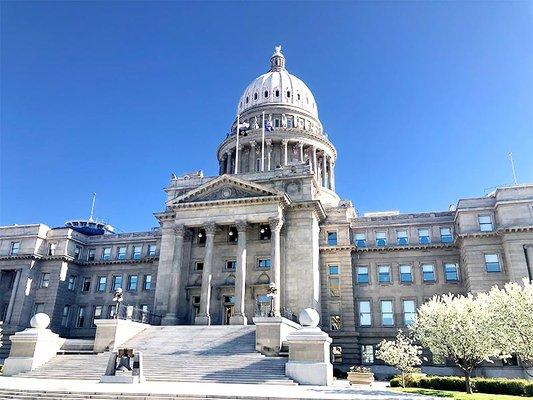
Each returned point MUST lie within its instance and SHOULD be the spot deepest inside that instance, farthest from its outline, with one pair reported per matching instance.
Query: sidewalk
(340, 390)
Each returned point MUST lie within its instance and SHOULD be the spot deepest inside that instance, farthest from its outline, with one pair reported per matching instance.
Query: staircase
(223, 354)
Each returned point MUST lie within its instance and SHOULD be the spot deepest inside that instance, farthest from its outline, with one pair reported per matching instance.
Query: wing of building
(270, 221)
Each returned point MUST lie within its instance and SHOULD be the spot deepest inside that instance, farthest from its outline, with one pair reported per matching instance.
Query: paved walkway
(340, 390)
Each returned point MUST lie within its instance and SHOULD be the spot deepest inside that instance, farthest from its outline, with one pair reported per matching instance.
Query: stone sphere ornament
(309, 317)
(40, 321)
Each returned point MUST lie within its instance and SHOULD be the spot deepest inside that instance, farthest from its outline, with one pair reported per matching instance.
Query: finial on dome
(277, 61)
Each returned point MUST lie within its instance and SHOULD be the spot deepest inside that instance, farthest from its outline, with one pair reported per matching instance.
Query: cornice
(72, 260)
(314, 205)
(337, 249)
(282, 199)
(406, 247)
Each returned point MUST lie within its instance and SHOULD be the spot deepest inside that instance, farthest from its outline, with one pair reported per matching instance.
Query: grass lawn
(460, 395)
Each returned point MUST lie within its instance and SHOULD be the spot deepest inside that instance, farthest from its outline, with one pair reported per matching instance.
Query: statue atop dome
(277, 61)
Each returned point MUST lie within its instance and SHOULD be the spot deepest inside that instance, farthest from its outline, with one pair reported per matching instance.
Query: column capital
(228, 153)
(210, 228)
(180, 229)
(275, 223)
(252, 143)
(241, 225)
(285, 142)
(268, 142)
(301, 143)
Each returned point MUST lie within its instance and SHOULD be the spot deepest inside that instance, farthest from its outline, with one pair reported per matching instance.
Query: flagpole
(263, 145)
(512, 166)
(237, 147)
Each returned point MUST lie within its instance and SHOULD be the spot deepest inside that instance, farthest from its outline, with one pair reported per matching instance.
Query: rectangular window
(387, 315)
(52, 249)
(384, 274)
(409, 312)
(290, 121)
(362, 275)
(406, 275)
(264, 232)
(263, 263)
(38, 308)
(336, 354)
(152, 248)
(365, 314)
(423, 236)
(334, 280)
(367, 354)
(91, 254)
(381, 238)
(199, 266)
(77, 252)
(492, 263)
(446, 235)
(116, 282)
(147, 282)
(111, 311)
(136, 252)
(15, 247)
(402, 237)
(485, 223)
(45, 280)
(428, 273)
(335, 322)
(80, 320)
(452, 272)
(231, 264)
(65, 316)
(97, 313)
(102, 283)
(360, 240)
(132, 282)
(86, 284)
(106, 253)
(332, 238)
(121, 253)
(71, 283)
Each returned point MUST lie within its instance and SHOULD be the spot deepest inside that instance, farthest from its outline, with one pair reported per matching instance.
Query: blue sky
(423, 100)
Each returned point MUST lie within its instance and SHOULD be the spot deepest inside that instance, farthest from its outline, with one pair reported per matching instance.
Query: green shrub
(443, 383)
(528, 389)
(411, 380)
(514, 387)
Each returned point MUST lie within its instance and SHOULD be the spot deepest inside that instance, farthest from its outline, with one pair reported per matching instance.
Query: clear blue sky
(423, 100)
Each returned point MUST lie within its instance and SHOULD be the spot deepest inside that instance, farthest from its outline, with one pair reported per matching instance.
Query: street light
(272, 292)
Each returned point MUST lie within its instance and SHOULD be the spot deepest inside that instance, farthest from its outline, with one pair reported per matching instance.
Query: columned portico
(204, 317)
(240, 283)
(171, 317)
(275, 261)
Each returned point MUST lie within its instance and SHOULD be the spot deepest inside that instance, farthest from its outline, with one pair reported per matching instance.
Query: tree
(512, 309)
(401, 353)
(459, 328)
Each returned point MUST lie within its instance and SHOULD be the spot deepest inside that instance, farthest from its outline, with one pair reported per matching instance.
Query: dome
(278, 87)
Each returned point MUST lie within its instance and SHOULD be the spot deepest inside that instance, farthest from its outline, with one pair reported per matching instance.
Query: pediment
(225, 187)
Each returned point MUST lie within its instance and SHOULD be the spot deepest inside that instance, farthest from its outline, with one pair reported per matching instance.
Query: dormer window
(266, 93)
(255, 96)
(277, 93)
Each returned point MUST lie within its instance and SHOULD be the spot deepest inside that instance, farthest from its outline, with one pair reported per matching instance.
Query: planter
(360, 378)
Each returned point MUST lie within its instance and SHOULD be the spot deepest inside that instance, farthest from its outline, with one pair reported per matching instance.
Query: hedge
(514, 387)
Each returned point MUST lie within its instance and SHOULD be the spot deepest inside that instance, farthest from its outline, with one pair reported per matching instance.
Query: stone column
(165, 267)
(301, 145)
(331, 184)
(228, 162)
(529, 252)
(324, 170)
(241, 158)
(252, 157)
(204, 318)
(240, 283)
(14, 291)
(315, 166)
(275, 260)
(171, 316)
(285, 143)
(269, 153)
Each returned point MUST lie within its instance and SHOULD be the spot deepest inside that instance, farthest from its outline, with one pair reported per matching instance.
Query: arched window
(247, 99)
(298, 96)
(266, 93)
(255, 96)
(288, 93)
(277, 93)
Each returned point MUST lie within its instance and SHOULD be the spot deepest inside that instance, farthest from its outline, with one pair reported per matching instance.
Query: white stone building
(271, 217)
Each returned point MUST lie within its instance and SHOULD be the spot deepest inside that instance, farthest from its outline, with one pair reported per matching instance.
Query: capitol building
(268, 236)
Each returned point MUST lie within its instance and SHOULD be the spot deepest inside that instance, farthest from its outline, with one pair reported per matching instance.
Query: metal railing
(137, 315)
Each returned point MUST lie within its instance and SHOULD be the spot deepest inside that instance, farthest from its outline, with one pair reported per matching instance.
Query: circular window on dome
(266, 93)
(277, 93)
(255, 96)
(289, 93)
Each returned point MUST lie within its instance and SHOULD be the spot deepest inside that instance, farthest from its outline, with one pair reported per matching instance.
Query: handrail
(136, 314)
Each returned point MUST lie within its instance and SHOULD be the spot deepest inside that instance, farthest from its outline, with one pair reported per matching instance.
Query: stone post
(309, 352)
(171, 316)
(240, 283)
(252, 157)
(204, 318)
(275, 260)
(285, 143)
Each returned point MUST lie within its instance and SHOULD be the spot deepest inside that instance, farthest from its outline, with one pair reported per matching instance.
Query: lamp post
(118, 299)
(272, 292)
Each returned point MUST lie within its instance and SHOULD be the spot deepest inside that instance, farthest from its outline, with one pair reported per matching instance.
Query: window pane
(332, 238)
(451, 272)
(362, 275)
(367, 354)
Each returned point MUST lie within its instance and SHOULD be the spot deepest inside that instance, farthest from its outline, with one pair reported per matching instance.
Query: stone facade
(272, 216)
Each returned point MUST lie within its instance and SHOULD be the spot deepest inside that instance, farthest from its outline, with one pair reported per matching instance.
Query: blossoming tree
(460, 328)
(401, 353)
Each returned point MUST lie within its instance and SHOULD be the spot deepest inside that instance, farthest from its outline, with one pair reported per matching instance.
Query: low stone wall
(271, 332)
